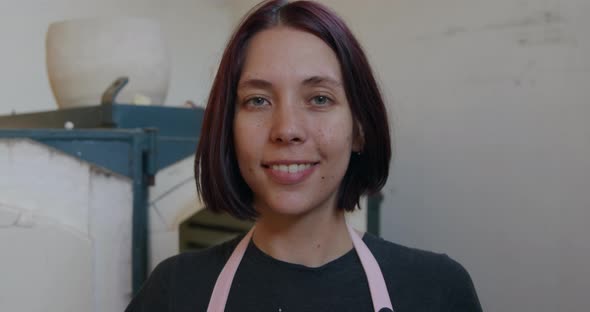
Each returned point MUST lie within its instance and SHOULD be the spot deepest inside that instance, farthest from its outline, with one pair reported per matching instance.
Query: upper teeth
(291, 168)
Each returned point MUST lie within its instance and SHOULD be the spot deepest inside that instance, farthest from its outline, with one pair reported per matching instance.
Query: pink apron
(379, 294)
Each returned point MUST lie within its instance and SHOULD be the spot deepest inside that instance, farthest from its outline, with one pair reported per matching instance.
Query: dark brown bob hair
(219, 181)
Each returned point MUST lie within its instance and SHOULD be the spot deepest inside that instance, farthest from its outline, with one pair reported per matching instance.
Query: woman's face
(293, 129)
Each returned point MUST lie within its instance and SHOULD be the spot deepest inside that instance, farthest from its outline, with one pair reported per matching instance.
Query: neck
(307, 240)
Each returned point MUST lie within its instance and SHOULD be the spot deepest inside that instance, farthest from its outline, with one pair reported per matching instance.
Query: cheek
(245, 157)
(249, 139)
(335, 148)
(335, 138)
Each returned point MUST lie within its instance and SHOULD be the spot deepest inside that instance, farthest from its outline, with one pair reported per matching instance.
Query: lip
(288, 178)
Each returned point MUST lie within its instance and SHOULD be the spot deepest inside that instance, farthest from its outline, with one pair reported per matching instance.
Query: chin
(290, 207)
(285, 210)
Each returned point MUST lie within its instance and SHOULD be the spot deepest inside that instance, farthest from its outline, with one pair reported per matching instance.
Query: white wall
(489, 101)
(489, 104)
(196, 32)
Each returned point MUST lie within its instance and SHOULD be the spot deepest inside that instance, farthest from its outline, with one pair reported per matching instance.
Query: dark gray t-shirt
(416, 280)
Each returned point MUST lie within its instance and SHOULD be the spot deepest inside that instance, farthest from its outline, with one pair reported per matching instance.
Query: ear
(358, 140)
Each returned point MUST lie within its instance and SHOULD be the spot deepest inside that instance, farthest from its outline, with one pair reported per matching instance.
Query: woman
(294, 133)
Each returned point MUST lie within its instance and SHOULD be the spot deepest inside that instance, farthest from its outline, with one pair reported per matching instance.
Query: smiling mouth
(290, 168)
(286, 173)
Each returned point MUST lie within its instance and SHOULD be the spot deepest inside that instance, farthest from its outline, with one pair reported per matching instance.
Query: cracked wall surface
(65, 234)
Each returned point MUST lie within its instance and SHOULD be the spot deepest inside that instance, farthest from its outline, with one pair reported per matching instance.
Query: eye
(321, 100)
(257, 101)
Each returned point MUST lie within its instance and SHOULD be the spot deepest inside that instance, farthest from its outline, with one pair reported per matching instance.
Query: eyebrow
(255, 83)
(320, 80)
(311, 81)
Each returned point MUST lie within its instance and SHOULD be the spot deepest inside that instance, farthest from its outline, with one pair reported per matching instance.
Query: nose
(287, 125)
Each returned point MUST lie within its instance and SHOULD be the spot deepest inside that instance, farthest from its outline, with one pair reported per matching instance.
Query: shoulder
(186, 279)
(435, 276)
(414, 260)
(198, 269)
(214, 256)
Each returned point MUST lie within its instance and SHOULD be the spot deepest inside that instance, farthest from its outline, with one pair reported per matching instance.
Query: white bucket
(84, 56)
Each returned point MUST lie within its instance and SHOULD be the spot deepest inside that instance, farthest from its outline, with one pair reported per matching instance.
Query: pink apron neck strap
(377, 286)
(226, 277)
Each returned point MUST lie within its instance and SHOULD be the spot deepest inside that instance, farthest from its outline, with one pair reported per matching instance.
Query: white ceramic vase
(84, 56)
